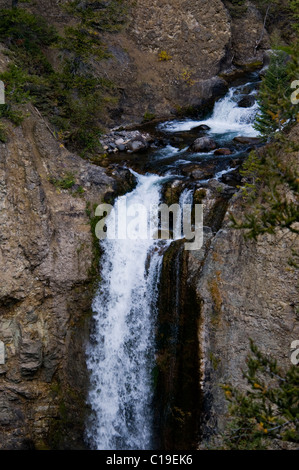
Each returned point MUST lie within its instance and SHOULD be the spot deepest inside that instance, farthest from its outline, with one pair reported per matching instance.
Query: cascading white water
(121, 355)
(186, 197)
(227, 117)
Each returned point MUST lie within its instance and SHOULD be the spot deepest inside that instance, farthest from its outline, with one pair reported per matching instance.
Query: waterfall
(120, 355)
(227, 117)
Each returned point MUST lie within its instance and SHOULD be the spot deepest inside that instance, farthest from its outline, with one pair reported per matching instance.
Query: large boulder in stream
(203, 144)
(246, 101)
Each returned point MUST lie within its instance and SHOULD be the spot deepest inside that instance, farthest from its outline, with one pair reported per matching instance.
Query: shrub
(65, 183)
(268, 409)
(163, 56)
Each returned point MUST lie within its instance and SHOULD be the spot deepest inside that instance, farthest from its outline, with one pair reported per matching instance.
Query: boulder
(248, 140)
(233, 178)
(199, 172)
(222, 151)
(246, 101)
(121, 147)
(202, 127)
(203, 144)
(136, 146)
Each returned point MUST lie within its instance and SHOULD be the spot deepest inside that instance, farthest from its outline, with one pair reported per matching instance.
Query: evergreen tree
(268, 410)
(274, 96)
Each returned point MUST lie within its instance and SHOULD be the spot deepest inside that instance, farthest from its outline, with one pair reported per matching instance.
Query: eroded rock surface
(46, 260)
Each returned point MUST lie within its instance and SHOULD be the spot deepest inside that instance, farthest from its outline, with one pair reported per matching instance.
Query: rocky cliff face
(201, 41)
(247, 290)
(47, 265)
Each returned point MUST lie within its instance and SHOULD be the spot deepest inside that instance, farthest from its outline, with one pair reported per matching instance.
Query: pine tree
(268, 410)
(274, 97)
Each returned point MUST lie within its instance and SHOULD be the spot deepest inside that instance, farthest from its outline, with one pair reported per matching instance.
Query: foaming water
(120, 356)
(227, 117)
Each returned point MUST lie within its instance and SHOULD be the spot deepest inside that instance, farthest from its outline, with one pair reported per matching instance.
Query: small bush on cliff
(164, 56)
(268, 410)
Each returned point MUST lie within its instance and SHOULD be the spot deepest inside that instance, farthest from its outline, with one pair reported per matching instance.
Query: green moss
(199, 196)
(214, 360)
(184, 111)
(71, 411)
(147, 117)
(65, 183)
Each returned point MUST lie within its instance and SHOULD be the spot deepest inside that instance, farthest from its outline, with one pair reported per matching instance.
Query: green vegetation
(71, 95)
(100, 15)
(271, 192)
(96, 247)
(164, 56)
(65, 183)
(271, 189)
(268, 410)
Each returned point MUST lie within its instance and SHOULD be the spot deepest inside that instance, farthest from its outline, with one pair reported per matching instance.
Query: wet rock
(202, 127)
(121, 147)
(122, 141)
(247, 140)
(221, 188)
(203, 144)
(171, 192)
(136, 146)
(246, 101)
(199, 172)
(233, 178)
(222, 151)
